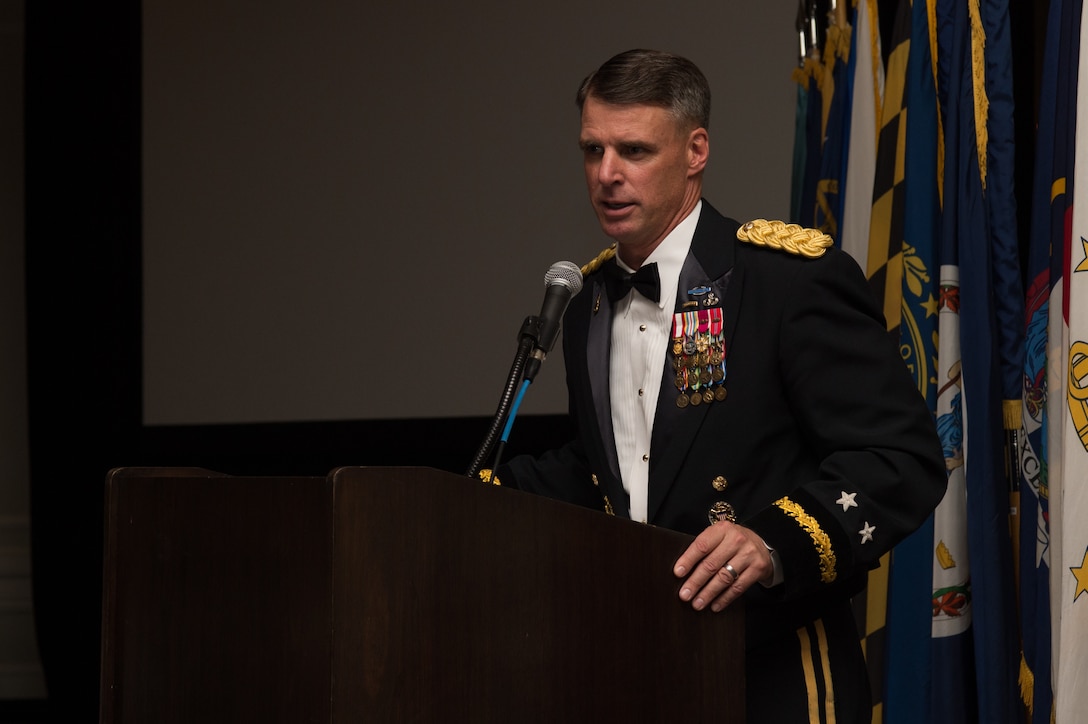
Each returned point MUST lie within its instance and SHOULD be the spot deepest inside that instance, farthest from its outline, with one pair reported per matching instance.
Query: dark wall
(84, 341)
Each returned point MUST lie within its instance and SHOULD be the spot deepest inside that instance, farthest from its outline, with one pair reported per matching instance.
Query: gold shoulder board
(811, 243)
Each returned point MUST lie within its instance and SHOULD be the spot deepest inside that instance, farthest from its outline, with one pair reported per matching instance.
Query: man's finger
(699, 549)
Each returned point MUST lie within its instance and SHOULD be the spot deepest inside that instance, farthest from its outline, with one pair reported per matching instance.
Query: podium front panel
(396, 595)
(216, 599)
(457, 601)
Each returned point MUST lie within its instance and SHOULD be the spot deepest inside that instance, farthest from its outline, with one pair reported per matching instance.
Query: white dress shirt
(640, 338)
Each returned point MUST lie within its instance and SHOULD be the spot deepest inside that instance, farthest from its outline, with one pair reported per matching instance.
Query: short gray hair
(652, 77)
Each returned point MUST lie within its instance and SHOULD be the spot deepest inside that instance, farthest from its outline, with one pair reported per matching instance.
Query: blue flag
(978, 239)
(954, 698)
(809, 79)
(827, 213)
(908, 687)
(800, 150)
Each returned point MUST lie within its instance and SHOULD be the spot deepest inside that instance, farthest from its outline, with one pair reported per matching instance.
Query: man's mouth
(616, 205)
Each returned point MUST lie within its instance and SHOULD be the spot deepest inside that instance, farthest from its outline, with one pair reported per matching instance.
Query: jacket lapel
(590, 323)
(598, 349)
(709, 264)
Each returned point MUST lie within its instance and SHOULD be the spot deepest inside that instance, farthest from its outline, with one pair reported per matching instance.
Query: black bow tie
(620, 282)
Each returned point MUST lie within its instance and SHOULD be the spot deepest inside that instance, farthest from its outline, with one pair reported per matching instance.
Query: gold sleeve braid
(810, 243)
(819, 537)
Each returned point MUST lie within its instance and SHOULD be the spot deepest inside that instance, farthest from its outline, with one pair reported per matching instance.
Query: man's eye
(591, 150)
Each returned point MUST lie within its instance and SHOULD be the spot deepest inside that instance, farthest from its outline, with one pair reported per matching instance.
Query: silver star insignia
(847, 501)
(866, 533)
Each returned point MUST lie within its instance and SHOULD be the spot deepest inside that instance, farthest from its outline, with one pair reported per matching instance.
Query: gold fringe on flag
(1027, 685)
(982, 101)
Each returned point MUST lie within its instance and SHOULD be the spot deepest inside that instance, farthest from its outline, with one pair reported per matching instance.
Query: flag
(912, 205)
(807, 140)
(806, 87)
(953, 698)
(1050, 202)
(866, 76)
(981, 246)
(835, 92)
(952, 659)
(1056, 412)
(884, 237)
(800, 146)
(1069, 501)
(866, 72)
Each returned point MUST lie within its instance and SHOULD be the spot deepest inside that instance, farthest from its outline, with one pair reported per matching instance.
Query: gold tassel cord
(600, 259)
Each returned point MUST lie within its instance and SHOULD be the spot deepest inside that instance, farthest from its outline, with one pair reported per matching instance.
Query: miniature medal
(698, 353)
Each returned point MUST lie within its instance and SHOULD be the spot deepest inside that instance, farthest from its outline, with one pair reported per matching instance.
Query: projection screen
(349, 208)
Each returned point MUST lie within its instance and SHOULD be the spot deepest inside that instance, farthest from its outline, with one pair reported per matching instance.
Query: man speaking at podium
(734, 382)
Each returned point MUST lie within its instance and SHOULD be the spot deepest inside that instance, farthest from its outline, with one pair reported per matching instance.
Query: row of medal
(698, 356)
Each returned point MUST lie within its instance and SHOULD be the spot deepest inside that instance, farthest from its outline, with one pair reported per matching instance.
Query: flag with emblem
(914, 210)
(952, 657)
(978, 240)
(1051, 201)
(1069, 497)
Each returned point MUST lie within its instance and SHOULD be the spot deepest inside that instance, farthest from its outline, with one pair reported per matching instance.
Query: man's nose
(610, 170)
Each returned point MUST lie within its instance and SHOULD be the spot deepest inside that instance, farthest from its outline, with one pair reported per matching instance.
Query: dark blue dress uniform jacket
(823, 444)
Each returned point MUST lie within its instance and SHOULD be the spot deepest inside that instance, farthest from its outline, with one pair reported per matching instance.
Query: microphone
(562, 282)
(537, 337)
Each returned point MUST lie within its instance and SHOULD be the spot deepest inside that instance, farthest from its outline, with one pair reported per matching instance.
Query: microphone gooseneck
(536, 338)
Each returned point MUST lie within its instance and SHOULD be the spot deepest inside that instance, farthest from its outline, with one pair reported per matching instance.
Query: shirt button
(645, 458)
(640, 393)
(642, 327)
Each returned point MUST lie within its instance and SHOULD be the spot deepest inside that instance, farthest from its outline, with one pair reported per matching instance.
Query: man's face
(644, 172)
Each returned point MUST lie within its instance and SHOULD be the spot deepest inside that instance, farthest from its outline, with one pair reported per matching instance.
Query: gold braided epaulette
(601, 259)
(795, 239)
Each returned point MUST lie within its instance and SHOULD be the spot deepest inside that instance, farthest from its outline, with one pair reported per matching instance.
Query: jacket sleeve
(881, 468)
(562, 474)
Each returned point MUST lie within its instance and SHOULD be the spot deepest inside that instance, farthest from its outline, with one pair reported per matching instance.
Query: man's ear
(698, 150)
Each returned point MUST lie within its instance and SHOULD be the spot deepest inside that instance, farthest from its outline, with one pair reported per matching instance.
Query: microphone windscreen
(566, 273)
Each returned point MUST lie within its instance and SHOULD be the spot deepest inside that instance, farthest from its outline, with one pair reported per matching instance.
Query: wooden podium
(396, 595)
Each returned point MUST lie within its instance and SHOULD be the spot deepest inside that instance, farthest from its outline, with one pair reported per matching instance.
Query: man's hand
(721, 564)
